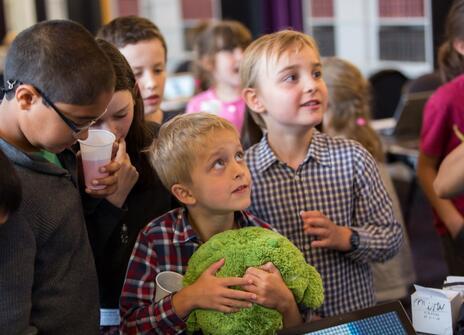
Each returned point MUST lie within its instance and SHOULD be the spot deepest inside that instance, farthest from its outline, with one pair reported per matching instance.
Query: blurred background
(373, 34)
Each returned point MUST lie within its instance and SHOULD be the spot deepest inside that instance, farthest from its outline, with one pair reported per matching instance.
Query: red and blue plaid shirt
(165, 244)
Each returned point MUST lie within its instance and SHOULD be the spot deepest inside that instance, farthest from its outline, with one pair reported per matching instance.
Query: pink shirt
(207, 101)
(444, 109)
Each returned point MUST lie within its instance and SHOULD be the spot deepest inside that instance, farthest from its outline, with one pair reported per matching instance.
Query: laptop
(385, 319)
(407, 120)
(178, 89)
(404, 128)
(179, 85)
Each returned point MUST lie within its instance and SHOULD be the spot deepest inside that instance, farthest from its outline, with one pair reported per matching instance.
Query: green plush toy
(241, 249)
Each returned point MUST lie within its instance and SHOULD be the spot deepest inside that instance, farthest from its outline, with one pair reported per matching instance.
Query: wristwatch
(354, 240)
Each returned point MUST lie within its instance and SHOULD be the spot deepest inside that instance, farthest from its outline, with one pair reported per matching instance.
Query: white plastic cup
(96, 152)
(167, 282)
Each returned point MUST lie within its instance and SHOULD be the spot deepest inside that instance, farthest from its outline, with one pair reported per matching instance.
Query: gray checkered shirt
(340, 179)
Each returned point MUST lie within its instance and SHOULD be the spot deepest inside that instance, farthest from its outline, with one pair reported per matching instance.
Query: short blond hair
(269, 48)
(173, 153)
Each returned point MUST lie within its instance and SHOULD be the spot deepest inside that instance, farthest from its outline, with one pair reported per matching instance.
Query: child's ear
(183, 194)
(250, 95)
(26, 96)
(458, 45)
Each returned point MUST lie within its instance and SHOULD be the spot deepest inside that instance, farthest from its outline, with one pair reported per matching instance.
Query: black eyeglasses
(77, 130)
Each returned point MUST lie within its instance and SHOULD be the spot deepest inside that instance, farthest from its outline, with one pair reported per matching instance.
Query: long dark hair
(140, 134)
(451, 62)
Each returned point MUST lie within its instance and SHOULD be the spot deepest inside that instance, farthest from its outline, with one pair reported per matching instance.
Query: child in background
(58, 82)
(10, 189)
(219, 50)
(348, 116)
(114, 223)
(200, 159)
(201, 80)
(144, 47)
(324, 194)
(443, 113)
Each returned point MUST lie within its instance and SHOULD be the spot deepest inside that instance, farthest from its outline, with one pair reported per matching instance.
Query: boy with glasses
(57, 83)
(78, 130)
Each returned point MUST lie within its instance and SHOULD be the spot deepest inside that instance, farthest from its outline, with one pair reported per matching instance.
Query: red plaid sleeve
(139, 313)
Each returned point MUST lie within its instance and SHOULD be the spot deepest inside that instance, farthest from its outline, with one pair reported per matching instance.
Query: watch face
(354, 240)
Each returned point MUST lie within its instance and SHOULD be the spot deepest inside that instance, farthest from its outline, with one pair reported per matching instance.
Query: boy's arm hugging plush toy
(241, 249)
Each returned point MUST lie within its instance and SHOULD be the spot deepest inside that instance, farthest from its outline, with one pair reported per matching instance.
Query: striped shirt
(340, 179)
(165, 244)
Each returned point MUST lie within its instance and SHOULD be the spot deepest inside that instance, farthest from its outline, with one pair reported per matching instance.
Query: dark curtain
(40, 10)
(246, 12)
(264, 16)
(440, 10)
(281, 14)
(86, 12)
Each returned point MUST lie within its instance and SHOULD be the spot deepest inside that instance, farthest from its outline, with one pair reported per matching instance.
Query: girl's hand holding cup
(127, 176)
(100, 172)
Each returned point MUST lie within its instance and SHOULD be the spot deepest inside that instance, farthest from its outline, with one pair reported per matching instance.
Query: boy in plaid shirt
(200, 159)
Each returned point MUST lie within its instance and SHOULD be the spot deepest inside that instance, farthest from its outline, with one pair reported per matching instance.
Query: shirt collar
(183, 230)
(265, 157)
(318, 150)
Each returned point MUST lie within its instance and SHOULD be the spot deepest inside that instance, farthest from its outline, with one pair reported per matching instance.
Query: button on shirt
(339, 178)
(165, 244)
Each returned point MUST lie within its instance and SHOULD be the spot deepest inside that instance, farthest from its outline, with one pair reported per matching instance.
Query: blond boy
(324, 194)
(200, 159)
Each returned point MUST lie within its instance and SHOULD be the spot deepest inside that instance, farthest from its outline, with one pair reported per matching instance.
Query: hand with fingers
(328, 234)
(272, 292)
(110, 181)
(272, 269)
(212, 292)
(269, 287)
(127, 176)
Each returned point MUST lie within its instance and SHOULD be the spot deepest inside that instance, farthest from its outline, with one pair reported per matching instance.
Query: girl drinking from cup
(114, 222)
